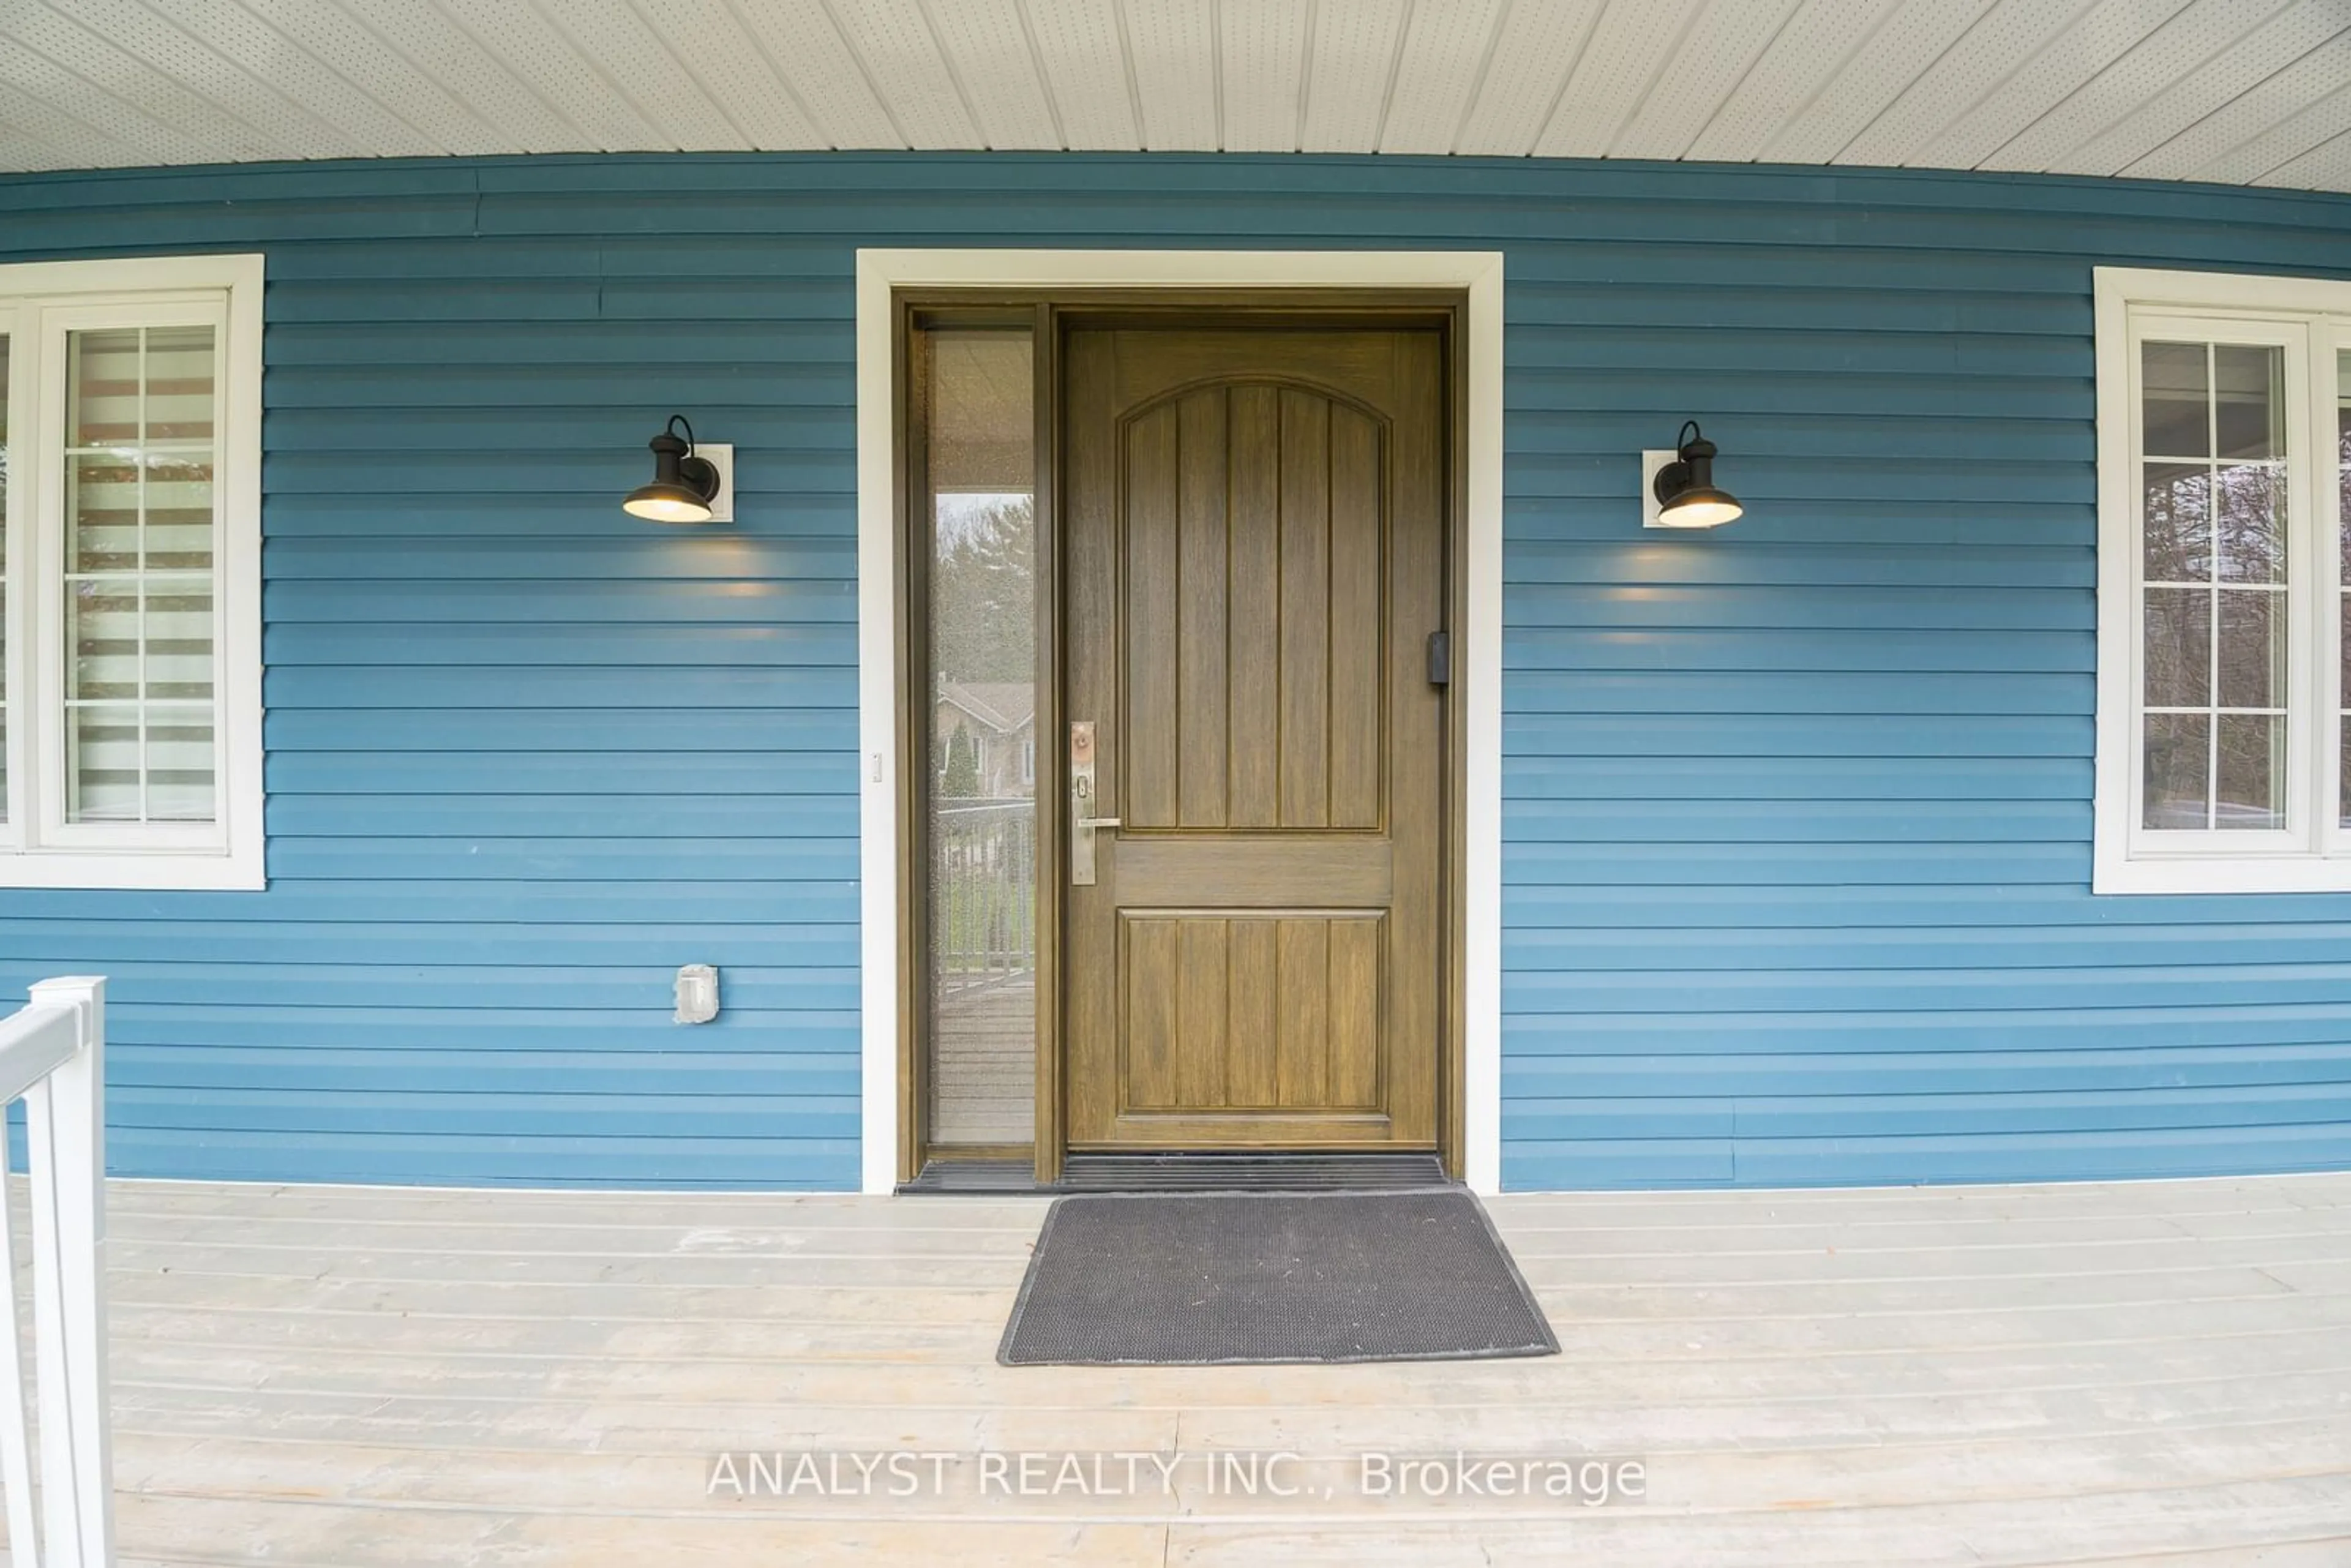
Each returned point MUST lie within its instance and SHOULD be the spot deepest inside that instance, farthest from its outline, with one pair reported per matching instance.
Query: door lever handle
(1095, 822)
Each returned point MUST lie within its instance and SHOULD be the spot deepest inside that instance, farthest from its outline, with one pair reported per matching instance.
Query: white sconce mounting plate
(1651, 461)
(720, 456)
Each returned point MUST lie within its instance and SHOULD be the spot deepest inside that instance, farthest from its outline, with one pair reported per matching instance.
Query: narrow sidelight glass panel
(2175, 417)
(141, 664)
(979, 440)
(2178, 771)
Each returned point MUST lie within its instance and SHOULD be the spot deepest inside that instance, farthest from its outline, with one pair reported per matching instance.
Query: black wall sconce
(691, 483)
(1682, 487)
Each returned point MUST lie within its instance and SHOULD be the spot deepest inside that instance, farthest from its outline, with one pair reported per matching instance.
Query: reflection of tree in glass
(2247, 522)
(2178, 647)
(2249, 748)
(983, 593)
(961, 776)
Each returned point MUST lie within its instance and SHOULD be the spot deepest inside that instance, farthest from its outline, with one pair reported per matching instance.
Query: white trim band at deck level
(1477, 642)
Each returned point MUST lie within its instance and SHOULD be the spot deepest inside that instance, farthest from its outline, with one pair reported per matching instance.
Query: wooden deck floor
(324, 1377)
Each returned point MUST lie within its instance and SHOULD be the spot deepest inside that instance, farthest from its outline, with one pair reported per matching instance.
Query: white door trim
(1478, 673)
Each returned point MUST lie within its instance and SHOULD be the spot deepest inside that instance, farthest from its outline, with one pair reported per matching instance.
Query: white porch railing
(52, 1057)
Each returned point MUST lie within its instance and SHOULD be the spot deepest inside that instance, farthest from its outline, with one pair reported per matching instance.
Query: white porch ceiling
(2238, 91)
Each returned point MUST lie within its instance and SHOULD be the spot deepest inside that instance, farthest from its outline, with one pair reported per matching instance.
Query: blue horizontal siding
(1796, 816)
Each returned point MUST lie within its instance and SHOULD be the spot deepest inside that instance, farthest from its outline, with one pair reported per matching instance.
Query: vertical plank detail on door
(1305, 672)
(1202, 1010)
(1150, 963)
(1253, 1037)
(1200, 716)
(1354, 1004)
(1302, 1049)
(1147, 771)
(1256, 701)
(1358, 566)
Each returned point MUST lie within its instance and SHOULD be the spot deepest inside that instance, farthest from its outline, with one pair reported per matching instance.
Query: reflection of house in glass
(997, 721)
(983, 912)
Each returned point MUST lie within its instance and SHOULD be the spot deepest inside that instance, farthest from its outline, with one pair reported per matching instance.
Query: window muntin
(133, 701)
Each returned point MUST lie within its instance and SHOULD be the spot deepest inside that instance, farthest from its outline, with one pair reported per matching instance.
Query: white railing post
(65, 1121)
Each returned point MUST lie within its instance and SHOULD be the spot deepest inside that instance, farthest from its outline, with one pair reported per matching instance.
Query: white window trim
(37, 300)
(2312, 316)
(1478, 643)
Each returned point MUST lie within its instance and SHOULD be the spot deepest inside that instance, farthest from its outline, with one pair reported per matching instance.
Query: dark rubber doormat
(1206, 1279)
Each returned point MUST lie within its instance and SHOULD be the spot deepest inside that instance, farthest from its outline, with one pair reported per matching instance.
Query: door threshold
(973, 1176)
(1188, 1171)
(1183, 1171)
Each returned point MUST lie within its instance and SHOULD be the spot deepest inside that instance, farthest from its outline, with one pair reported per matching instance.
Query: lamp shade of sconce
(682, 487)
(1685, 488)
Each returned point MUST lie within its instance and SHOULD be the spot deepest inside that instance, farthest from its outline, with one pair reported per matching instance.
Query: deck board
(356, 1377)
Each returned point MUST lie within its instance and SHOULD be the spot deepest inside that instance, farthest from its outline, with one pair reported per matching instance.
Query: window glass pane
(2179, 513)
(102, 388)
(102, 624)
(176, 626)
(138, 554)
(179, 742)
(2253, 649)
(979, 440)
(2250, 501)
(179, 384)
(2178, 647)
(2252, 767)
(2176, 390)
(103, 513)
(178, 513)
(2178, 768)
(103, 763)
(2249, 400)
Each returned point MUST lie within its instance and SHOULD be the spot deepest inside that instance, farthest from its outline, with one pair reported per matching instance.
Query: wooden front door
(1256, 560)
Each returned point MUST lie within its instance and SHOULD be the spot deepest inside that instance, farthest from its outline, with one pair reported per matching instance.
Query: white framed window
(2224, 477)
(131, 573)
